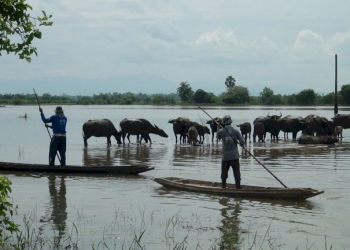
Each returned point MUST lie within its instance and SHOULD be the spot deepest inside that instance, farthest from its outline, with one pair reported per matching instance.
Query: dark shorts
(225, 167)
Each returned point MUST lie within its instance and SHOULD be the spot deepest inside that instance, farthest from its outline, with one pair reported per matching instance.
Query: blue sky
(152, 46)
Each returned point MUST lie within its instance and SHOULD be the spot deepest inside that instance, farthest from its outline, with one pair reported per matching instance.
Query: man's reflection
(229, 224)
(57, 189)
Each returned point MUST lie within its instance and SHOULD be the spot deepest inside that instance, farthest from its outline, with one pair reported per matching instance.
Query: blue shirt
(58, 123)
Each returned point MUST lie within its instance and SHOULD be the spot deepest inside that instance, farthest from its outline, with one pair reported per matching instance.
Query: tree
(236, 95)
(306, 97)
(267, 96)
(184, 91)
(345, 93)
(17, 24)
(230, 82)
(201, 96)
(7, 210)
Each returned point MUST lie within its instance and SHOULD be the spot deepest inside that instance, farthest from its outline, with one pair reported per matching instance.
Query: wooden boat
(121, 170)
(253, 192)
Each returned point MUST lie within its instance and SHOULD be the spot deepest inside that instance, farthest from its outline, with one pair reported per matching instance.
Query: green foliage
(230, 82)
(7, 226)
(267, 96)
(184, 91)
(306, 97)
(236, 95)
(17, 24)
(200, 96)
(345, 93)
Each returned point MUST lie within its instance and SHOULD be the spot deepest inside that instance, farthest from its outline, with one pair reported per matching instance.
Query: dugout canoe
(253, 192)
(120, 170)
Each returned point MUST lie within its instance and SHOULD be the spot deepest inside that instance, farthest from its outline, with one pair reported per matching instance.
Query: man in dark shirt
(230, 155)
(58, 140)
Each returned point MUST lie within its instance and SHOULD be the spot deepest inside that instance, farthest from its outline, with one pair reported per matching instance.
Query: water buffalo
(192, 135)
(288, 124)
(318, 125)
(246, 129)
(310, 139)
(268, 122)
(338, 132)
(139, 126)
(201, 129)
(342, 120)
(213, 126)
(100, 128)
(259, 131)
(179, 128)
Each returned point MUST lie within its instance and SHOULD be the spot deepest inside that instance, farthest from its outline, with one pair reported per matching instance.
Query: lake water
(118, 208)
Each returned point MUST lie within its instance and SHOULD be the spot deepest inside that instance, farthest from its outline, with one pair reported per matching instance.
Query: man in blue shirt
(230, 155)
(58, 140)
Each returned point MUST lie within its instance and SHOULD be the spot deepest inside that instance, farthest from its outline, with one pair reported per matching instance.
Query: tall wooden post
(336, 87)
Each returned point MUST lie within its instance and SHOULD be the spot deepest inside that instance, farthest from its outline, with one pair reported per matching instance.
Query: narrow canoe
(121, 170)
(253, 192)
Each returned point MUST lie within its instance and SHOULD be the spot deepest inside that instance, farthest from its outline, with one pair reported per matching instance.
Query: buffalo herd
(314, 129)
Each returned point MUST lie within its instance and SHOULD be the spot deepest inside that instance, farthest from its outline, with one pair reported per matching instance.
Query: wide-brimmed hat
(226, 120)
(58, 109)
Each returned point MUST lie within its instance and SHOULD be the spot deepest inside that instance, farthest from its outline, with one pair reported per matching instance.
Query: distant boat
(25, 116)
(2, 106)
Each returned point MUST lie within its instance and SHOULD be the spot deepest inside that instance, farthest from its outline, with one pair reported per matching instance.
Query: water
(116, 208)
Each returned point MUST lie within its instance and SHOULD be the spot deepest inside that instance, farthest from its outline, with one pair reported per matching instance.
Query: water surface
(116, 208)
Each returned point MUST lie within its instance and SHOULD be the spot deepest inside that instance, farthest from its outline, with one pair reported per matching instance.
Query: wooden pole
(243, 146)
(336, 87)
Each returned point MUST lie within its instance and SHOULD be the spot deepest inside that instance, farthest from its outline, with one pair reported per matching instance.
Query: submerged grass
(127, 232)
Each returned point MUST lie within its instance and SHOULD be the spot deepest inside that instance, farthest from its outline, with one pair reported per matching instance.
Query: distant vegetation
(234, 95)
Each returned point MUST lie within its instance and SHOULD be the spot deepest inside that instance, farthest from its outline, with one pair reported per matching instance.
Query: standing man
(58, 140)
(230, 155)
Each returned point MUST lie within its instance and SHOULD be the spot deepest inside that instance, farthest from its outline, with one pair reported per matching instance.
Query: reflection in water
(132, 154)
(229, 227)
(186, 153)
(58, 203)
(97, 157)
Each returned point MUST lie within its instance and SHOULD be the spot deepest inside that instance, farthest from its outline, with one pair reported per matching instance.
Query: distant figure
(58, 140)
(25, 116)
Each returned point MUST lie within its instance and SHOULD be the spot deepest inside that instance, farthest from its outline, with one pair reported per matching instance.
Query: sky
(148, 46)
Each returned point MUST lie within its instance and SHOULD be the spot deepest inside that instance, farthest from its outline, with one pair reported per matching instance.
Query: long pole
(243, 146)
(336, 86)
(37, 100)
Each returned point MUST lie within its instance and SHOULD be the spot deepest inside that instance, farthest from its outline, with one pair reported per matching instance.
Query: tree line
(234, 95)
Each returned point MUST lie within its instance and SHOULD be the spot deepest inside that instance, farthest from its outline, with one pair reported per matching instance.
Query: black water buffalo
(139, 126)
(201, 129)
(288, 124)
(192, 135)
(268, 122)
(179, 128)
(342, 120)
(259, 131)
(213, 126)
(310, 139)
(246, 129)
(315, 124)
(100, 128)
